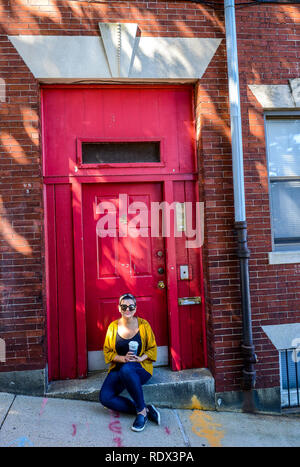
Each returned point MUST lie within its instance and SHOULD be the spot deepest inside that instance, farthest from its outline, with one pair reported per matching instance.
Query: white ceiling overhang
(278, 96)
(284, 336)
(119, 53)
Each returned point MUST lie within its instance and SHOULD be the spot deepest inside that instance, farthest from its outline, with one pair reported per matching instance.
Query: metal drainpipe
(249, 374)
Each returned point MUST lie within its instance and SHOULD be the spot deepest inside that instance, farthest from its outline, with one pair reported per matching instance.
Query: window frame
(278, 115)
(82, 165)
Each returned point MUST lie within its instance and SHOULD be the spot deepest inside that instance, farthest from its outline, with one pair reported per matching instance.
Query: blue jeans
(130, 376)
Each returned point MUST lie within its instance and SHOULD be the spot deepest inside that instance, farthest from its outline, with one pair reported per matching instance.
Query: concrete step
(187, 389)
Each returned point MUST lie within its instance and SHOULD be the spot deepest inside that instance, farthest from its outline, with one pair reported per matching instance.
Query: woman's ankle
(143, 412)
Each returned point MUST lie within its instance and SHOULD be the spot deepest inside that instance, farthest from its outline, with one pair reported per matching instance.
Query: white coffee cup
(133, 347)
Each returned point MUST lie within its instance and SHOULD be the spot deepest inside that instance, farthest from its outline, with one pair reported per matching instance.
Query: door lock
(161, 285)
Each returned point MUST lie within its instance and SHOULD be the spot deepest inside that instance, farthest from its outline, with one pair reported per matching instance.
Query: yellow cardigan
(148, 344)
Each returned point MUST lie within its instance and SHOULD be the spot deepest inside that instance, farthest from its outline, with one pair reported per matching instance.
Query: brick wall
(268, 43)
(22, 316)
(270, 46)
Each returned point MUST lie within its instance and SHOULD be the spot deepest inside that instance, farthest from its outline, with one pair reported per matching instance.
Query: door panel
(190, 316)
(62, 360)
(121, 262)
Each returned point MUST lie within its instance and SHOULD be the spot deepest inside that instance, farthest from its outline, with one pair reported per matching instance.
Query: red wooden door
(86, 273)
(125, 259)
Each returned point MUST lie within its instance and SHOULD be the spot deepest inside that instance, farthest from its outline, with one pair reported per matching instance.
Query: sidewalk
(37, 422)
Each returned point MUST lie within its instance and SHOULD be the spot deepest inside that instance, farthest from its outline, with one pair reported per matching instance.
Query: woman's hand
(130, 357)
(136, 358)
(123, 358)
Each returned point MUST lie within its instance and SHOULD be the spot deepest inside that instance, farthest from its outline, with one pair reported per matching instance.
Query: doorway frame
(167, 180)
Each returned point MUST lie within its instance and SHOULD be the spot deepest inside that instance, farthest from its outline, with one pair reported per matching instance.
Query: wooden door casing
(72, 114)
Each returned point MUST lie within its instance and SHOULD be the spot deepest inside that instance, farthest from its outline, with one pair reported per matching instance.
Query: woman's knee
(127, 371)
(101, 397)
(104, 398)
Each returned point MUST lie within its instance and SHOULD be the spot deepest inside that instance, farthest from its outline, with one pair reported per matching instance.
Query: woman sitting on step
(128, 369)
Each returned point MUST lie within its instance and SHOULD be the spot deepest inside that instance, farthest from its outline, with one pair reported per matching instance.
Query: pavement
(49, 422)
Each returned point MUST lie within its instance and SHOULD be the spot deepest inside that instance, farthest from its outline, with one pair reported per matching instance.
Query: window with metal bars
(290, 377)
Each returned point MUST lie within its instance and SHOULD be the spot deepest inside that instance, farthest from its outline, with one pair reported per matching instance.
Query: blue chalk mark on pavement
(21, 442)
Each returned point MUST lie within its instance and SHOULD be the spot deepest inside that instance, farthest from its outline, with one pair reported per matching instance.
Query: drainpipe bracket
(242, 250)
(249, 373)
(249, 354)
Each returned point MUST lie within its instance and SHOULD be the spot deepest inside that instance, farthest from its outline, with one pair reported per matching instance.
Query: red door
(87, 272)
(120, 255)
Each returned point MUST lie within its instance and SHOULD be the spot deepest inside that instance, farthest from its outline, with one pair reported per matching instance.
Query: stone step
(186, 389)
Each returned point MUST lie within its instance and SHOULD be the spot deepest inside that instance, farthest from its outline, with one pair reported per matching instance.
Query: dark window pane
(120, 153)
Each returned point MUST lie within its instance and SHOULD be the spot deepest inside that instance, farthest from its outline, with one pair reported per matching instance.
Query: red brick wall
(269, 54)
(21, 246)
(270, 46)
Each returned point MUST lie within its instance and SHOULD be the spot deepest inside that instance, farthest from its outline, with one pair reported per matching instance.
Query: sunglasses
(124, 307)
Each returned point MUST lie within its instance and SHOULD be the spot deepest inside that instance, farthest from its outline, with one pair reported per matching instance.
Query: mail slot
(189, 300)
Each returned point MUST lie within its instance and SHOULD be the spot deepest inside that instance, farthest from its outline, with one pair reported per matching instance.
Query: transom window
(120, 152)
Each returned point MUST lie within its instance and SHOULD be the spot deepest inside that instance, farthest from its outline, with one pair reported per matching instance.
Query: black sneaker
(153, 414)
(139, 423)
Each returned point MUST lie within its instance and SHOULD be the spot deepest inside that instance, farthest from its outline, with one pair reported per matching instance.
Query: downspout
(249, 357)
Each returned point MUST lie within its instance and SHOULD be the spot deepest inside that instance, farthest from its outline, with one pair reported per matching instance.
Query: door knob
(160, 270)
(161, 285)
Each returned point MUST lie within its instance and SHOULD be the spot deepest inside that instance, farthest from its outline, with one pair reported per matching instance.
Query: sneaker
(139, 423)
(153, 414)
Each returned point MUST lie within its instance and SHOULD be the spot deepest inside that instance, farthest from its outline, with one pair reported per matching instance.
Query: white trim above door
(119, 53)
